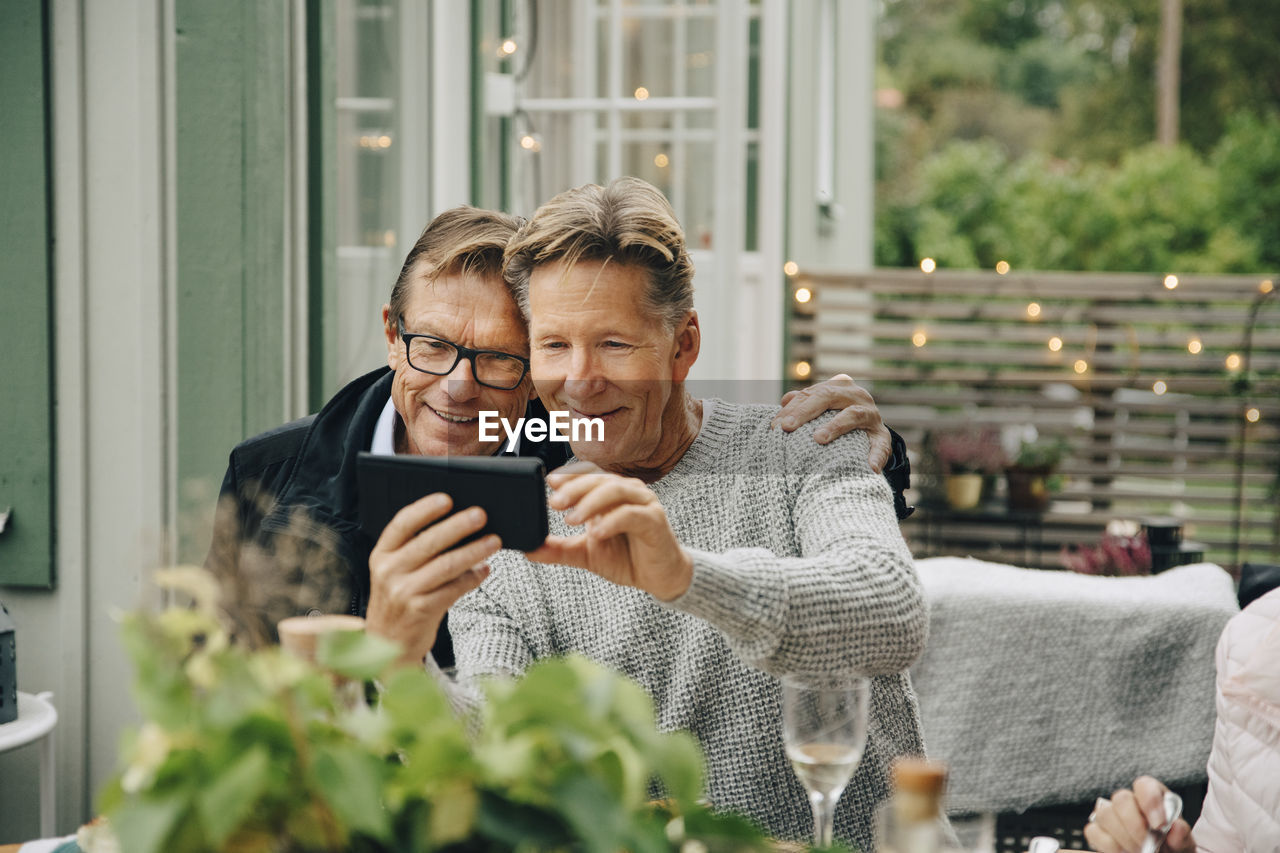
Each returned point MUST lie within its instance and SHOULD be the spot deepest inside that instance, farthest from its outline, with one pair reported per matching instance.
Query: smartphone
(510, 489)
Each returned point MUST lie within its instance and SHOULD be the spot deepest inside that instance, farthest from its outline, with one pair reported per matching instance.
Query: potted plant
(247, 749)
(1030, 478)
(964, 457)
(1123, 551)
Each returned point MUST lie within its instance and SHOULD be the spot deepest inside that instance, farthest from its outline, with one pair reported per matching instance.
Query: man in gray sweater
(693, 548)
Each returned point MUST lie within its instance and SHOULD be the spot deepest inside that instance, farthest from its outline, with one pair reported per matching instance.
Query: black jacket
(287, 538)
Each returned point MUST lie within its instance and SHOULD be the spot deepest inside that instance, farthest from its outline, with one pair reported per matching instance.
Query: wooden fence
(1168, 391)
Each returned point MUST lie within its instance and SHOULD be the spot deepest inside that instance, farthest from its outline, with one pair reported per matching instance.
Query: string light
(642, 93)
(1055, 344)
(1170, 282)
(1033, 309)
(661, 160)
(508, 47)
(1252, 415)
(1159, 387)
(1002, 267)
(529, 142)
(803, 369)
(919, 338)
(928, 265)
(1080, 366)
(791, 268)
(1233, 361)
(803, 295)
(1265, 286)
(1194, 346)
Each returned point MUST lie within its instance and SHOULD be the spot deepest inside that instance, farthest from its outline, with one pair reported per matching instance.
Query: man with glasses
(287, 538)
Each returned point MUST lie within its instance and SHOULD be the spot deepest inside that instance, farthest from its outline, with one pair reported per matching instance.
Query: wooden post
(1167, 72)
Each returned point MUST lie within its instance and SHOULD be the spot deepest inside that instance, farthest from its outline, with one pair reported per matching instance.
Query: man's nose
(461, 384)
(584, 377)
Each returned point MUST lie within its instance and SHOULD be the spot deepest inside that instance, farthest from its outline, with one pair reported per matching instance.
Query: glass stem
(824, 818)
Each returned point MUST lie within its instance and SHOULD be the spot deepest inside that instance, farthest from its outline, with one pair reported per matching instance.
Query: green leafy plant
(1041, 453)
(257, 750)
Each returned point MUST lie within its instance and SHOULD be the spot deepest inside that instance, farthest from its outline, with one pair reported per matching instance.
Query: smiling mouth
(577, 413)
(451, 418)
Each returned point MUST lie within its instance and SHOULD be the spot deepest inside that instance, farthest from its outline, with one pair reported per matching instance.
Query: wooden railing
(1168, 391)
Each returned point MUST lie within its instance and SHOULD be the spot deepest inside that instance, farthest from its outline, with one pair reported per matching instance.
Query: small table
(36, 719)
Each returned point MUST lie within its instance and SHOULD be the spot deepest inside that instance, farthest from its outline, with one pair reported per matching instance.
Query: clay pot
(1028, 489)
(964, 491)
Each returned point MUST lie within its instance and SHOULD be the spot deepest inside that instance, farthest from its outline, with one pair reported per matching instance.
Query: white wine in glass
(824, 730)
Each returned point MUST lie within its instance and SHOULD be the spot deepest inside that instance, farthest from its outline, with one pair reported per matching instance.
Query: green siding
(26, 395)
(232, 123)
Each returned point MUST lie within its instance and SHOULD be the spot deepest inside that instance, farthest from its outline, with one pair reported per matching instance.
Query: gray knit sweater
(799, 568)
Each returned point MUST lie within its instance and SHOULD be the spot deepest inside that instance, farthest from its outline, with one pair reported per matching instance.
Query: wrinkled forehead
(473, 309)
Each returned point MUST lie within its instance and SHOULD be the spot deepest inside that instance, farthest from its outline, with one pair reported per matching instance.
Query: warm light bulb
(1080, 366)
(1252, 415)
(642, 93)
(803, 295)
(1055, 344)
(508, 47)
(1170, 282)
(1194, 346)
(527, 142)
(919, 338)
(803, 369)
(661, 160)
(1033, 309)
(1265, 286)
(791, 268)
(384, 141)
(1159, 387)
(1002, 267)
(928, 265)
(1233, 361)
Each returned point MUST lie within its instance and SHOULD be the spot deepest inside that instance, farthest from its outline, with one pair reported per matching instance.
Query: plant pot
(1028, 489)
(964, 491)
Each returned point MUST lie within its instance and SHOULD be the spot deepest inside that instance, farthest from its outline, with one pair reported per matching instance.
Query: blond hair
(464, 240)
(629, 221)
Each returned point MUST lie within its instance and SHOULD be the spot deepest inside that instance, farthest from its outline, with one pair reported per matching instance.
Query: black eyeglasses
(429, 354)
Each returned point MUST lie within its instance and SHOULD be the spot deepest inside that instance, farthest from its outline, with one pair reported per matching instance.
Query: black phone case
(509, 489)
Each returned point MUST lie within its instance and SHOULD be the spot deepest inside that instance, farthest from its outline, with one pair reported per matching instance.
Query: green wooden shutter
(26, 300)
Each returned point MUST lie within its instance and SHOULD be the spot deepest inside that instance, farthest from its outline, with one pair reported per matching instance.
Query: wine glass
(824, 730)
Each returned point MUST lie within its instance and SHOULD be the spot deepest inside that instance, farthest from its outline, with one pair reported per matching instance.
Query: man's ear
(688, 344)
(395, 347)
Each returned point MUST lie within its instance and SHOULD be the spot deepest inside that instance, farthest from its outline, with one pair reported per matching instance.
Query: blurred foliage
(257, 750)
(1025, 134)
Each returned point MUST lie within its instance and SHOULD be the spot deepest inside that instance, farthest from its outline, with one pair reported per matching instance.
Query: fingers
(566, 493)
(447, 567)
(412, 518)
(437, 538)
(602, 495)
(1179, 839)
(443, 597)
(806, 405)
(562, 550)
(628, 518)
(1149, 794)
(881, 448)
(1122, 822)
